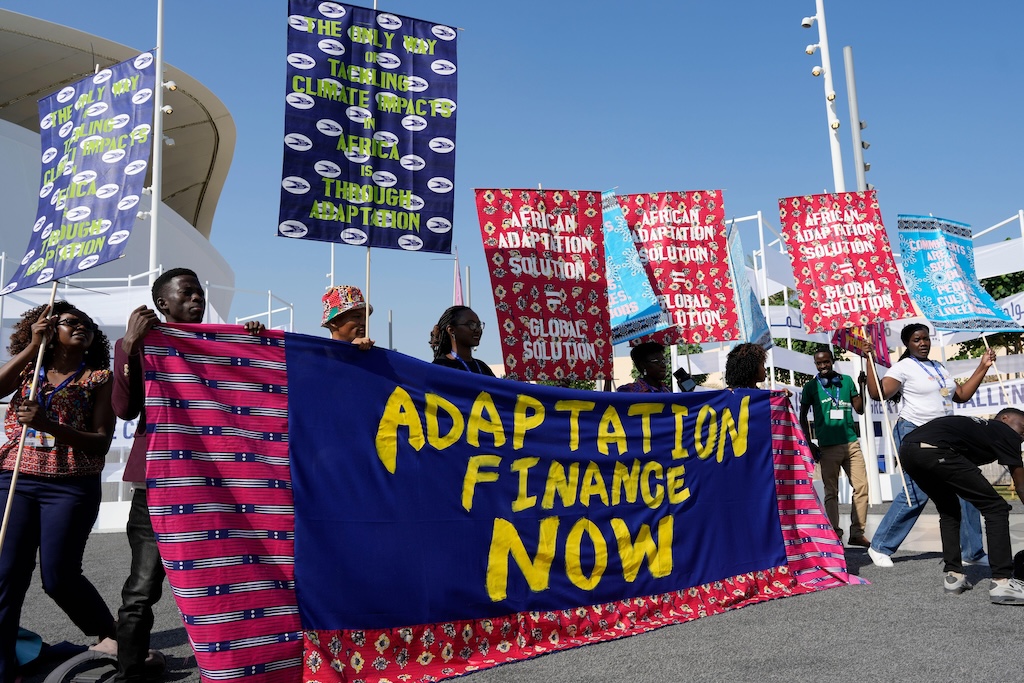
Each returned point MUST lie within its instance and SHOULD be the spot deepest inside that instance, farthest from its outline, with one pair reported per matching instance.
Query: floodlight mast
(830, 94)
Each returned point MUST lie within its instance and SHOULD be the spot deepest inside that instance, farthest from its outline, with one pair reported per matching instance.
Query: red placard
(545, 255)
(842, 262)
(682, 243)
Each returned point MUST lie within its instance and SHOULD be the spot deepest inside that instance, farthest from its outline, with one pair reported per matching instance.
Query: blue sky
(641, 96)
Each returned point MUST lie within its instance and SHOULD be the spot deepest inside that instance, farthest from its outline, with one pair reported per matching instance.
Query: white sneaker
(1007, 592)
(880, 559)
(980, 562)
(955, 583)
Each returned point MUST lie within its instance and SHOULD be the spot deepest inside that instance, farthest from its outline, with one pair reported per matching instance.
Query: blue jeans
(900, 518)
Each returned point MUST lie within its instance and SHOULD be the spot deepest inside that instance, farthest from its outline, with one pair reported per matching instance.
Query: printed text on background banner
(842, 262)
(545, 256)
(96, 136)
(632, 304)
(681, 240)
(938, 268)
(369, 144)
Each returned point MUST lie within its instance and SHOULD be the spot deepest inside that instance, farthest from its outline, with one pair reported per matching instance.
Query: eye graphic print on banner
(682, 243)
(369, 143)
(96, 136)
(546, 258)
(842, 262)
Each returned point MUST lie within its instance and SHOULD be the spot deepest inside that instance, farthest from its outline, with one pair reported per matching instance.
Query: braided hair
(743, 364)
(447, 319)
(96, 357)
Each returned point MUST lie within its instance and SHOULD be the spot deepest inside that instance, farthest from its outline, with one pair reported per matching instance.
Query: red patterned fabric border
(434, 652)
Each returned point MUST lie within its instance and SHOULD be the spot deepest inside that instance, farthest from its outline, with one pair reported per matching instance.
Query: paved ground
(901, 627)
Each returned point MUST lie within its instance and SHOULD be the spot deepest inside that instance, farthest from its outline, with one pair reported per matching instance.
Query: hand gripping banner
(369, 143)
(842, 262)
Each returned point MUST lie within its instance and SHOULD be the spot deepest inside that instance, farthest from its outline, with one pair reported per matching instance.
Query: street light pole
(830, 93)
(860, 168)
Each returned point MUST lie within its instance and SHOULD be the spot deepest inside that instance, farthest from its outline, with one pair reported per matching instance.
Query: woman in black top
(459, 332)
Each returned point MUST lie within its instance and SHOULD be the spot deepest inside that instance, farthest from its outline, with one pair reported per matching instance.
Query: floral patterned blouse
(71, 406)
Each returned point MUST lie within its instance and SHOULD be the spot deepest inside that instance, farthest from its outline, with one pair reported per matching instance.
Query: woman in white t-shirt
(928, 391)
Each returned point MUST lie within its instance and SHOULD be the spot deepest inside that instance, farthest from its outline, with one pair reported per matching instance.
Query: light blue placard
(634, 308)
(939, 274)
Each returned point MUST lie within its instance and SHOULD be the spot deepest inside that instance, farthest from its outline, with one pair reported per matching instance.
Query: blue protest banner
(633, 306)
(369, 144)
(753, 325)
(939, 273)
(460, 483)
(96, 136)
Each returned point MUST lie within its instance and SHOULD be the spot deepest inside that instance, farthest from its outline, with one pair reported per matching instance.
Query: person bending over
(943, 456)
(928, 392)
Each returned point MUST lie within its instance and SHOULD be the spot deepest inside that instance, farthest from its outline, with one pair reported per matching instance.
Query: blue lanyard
(463, 363)
(940, 378)
(47, 402)
(834, 399)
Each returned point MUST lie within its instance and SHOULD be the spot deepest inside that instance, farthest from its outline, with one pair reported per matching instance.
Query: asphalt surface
(902, 627)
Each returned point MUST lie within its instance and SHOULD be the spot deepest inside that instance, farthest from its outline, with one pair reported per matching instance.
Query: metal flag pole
(888, 428)
(158, 144)
(24, 432)
(1002, 389)
(366, 296)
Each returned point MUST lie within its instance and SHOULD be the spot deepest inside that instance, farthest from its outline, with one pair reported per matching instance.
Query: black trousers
(141, 591)
(944, 475)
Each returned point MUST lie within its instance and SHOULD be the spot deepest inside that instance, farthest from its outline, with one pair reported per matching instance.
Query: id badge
(38, 439)
(836, 414)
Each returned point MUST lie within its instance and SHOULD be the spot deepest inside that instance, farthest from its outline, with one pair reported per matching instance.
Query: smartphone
(684, 380)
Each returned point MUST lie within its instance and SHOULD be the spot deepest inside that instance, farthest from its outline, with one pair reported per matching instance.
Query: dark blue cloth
(393, 527)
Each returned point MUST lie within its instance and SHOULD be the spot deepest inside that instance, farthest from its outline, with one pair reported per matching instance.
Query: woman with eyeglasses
(652, 367)
(57, 496)
(459, 332)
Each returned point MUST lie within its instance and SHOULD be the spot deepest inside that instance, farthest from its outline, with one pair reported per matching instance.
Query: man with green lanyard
(833, 398)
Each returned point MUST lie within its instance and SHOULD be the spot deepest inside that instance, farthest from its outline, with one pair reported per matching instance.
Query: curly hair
(97, 356)
(743, 365)
(448, 318)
